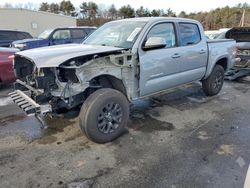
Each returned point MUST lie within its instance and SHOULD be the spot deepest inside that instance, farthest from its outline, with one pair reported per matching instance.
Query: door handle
(176, 55)
(202, 51)
(157, 75)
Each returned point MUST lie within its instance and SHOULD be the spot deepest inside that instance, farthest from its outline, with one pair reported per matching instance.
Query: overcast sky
(176, 5)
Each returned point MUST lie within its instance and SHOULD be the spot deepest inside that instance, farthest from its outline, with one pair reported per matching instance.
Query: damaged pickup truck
(120, 62)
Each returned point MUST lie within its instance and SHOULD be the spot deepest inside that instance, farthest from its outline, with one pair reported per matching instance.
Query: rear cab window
(189, 34)
(89, 30)
(78, 34)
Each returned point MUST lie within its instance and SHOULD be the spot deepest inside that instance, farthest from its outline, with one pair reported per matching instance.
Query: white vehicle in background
(213, 34)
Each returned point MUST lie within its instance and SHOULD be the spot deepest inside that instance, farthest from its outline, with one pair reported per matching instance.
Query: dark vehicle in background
(8, 36)
(6, 65)
(55, 37)
(242, 37)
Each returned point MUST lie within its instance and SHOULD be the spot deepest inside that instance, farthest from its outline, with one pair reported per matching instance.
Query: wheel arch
(222, 62)
(112, 81)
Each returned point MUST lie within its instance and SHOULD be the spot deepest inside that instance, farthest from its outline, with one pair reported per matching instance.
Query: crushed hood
(53, 56)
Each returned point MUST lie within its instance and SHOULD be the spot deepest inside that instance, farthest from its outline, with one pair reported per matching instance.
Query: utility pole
(242, 20)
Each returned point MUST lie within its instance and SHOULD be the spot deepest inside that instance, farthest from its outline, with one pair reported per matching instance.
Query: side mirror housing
(154, 43)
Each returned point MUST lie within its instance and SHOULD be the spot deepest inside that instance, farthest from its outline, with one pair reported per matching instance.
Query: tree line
(89, 13)
(91, 10)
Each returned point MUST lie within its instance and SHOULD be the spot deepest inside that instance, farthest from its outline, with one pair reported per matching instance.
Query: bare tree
(112, 12)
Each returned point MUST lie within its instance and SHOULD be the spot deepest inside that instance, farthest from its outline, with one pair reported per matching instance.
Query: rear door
(159, 68)
(193, 52)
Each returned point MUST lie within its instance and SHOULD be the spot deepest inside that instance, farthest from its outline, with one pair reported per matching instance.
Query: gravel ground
(179, 139)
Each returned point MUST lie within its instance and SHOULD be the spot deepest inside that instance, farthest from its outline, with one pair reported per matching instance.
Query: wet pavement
(179, 139)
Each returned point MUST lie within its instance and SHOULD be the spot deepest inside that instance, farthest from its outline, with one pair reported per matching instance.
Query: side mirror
(154, 43)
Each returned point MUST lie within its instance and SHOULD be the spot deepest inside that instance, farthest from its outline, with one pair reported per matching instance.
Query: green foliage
(127, 12)
(155, 13)
(67, 8)
(142, 12)
(64, 7)
(112, 12)
(225, 17)
(54, 8)
(44, 6)
(89, 9)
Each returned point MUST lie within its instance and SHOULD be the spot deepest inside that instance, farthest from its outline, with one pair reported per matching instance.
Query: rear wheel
(104, 115)
(213, 84)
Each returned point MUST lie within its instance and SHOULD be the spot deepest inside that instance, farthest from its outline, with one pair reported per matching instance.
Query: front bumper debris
(25, 102)
(29, 106)
(240, 69)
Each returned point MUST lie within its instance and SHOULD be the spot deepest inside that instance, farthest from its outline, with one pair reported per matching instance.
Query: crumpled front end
(52, 90)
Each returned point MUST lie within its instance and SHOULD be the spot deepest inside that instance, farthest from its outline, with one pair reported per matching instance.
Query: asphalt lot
(179, 139)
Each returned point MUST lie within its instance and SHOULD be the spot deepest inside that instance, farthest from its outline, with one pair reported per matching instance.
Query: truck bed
(219, 49)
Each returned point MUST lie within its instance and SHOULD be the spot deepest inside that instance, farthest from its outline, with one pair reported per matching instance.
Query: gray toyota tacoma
(120, 62)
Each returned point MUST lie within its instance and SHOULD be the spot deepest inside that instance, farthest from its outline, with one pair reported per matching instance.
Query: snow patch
(5, 101)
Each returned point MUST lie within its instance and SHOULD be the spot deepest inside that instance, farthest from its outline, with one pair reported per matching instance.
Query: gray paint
(53, 56)
(146, 72)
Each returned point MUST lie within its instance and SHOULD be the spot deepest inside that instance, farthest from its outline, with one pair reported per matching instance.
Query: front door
(159, 68)
(61, 36)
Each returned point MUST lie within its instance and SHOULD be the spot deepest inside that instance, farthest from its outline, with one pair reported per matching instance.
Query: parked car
(242, 37)
(6, 65)
(8, 36)
(55, 37)
(120, 62)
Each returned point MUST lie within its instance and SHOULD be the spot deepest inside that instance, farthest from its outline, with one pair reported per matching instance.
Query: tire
(213, 84)
(104, 115)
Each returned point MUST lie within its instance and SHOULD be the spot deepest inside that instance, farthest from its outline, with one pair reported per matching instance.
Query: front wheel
(104, 115)
(213, 84)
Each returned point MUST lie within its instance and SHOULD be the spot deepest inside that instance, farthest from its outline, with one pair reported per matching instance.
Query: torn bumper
(27, 104)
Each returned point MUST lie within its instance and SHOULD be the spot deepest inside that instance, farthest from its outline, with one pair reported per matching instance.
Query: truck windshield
(45, 34)
(118, 34)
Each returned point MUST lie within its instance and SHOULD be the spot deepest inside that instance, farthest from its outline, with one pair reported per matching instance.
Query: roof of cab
(155, 19)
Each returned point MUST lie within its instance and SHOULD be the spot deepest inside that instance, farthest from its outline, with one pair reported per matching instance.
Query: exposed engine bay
(64, 88)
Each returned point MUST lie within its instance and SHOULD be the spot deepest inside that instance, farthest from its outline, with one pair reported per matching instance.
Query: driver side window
(61, 34)
(166, 31)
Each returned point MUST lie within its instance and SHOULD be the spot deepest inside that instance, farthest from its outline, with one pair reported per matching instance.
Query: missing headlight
(65, 75)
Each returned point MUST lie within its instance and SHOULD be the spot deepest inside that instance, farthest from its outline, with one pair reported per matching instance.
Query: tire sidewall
(217, 69)
(89, 121)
